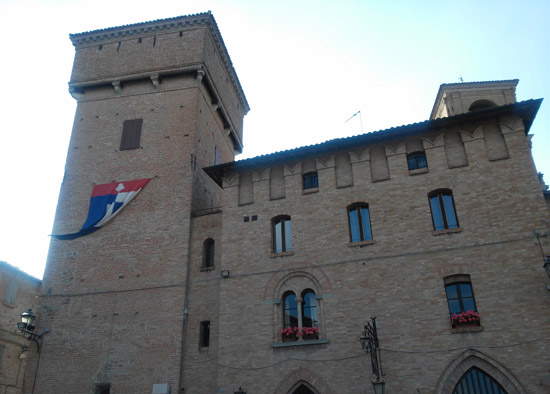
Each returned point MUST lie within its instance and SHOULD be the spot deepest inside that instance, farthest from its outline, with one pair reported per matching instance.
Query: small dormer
(458, 98)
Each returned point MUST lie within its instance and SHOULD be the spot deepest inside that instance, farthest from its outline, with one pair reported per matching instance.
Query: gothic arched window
(475, 381)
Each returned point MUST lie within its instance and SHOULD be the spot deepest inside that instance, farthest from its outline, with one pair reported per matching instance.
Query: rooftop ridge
(475, 83)
(203, 18)
(118, 30)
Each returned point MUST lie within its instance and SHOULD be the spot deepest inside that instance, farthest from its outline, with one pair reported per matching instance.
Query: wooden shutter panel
(131, 134)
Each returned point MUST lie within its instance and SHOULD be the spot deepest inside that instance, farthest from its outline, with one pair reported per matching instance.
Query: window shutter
(131, 134)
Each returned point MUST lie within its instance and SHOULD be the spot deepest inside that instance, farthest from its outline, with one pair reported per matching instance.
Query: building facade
(261, 273)
(19, 292)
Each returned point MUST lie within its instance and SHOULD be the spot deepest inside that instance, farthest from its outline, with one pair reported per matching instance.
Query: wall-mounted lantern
(370, 344)
(26, 327)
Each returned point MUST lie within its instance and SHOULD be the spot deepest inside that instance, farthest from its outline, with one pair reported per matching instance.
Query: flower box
(294, 333)
(463, 319)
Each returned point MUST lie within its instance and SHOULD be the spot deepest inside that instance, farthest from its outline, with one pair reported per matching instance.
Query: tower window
(359, 222)
(131, 134)
(282, 234)
(208, 248)
(204, 340)
(417, 160)
(443, 209)
(310, 180)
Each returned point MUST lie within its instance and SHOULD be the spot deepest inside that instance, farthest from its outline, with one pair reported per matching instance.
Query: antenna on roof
(360, 119)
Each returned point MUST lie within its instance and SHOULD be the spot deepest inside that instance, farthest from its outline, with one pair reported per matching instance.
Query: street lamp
(26, 327)
(240, 391)
(370, 344)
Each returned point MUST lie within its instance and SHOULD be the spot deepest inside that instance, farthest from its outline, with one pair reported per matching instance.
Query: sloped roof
(527, 110)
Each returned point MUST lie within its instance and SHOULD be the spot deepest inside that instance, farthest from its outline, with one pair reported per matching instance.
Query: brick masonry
(124, 304)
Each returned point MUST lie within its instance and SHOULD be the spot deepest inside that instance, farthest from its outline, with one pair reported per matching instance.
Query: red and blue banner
(106, 202)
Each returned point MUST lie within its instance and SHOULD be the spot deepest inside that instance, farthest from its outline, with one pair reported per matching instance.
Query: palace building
(210, 275)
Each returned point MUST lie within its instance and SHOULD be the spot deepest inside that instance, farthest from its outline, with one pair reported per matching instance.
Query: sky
(305, 67)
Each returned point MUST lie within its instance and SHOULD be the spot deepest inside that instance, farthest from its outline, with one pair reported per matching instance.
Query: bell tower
(458, 98)
(157, 100)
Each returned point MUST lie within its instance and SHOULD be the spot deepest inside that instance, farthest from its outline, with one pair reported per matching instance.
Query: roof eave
(527, 110)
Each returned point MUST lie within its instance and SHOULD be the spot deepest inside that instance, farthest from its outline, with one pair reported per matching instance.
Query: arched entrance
(474, 372)
(476, 381)
(303, 389)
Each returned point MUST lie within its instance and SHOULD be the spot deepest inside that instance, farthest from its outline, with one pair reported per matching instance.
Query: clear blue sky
(305, 67)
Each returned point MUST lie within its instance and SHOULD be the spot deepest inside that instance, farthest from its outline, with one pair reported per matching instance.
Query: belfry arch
(469, 359)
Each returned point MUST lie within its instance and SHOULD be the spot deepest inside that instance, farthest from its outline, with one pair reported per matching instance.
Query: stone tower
(156, 100)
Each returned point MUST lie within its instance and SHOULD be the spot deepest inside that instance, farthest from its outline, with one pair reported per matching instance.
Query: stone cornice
(202, 19)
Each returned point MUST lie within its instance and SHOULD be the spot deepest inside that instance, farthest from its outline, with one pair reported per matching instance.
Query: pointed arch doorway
(302, 388)
(476, 381)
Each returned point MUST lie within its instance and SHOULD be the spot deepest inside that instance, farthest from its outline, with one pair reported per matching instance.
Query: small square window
(417, 160)
(310, 180)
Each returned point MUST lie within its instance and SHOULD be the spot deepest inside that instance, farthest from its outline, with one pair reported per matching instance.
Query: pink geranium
(299, 332)
(468, 317)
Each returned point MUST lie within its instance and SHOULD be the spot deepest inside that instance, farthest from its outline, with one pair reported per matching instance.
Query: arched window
(300, 316)
(417, 160)
(282, 234)
(359, 222)
(310, 319)
(443, 210)
(208, 254)
(290, 310)
(475, 381)
(481, 104)
(290, 317)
